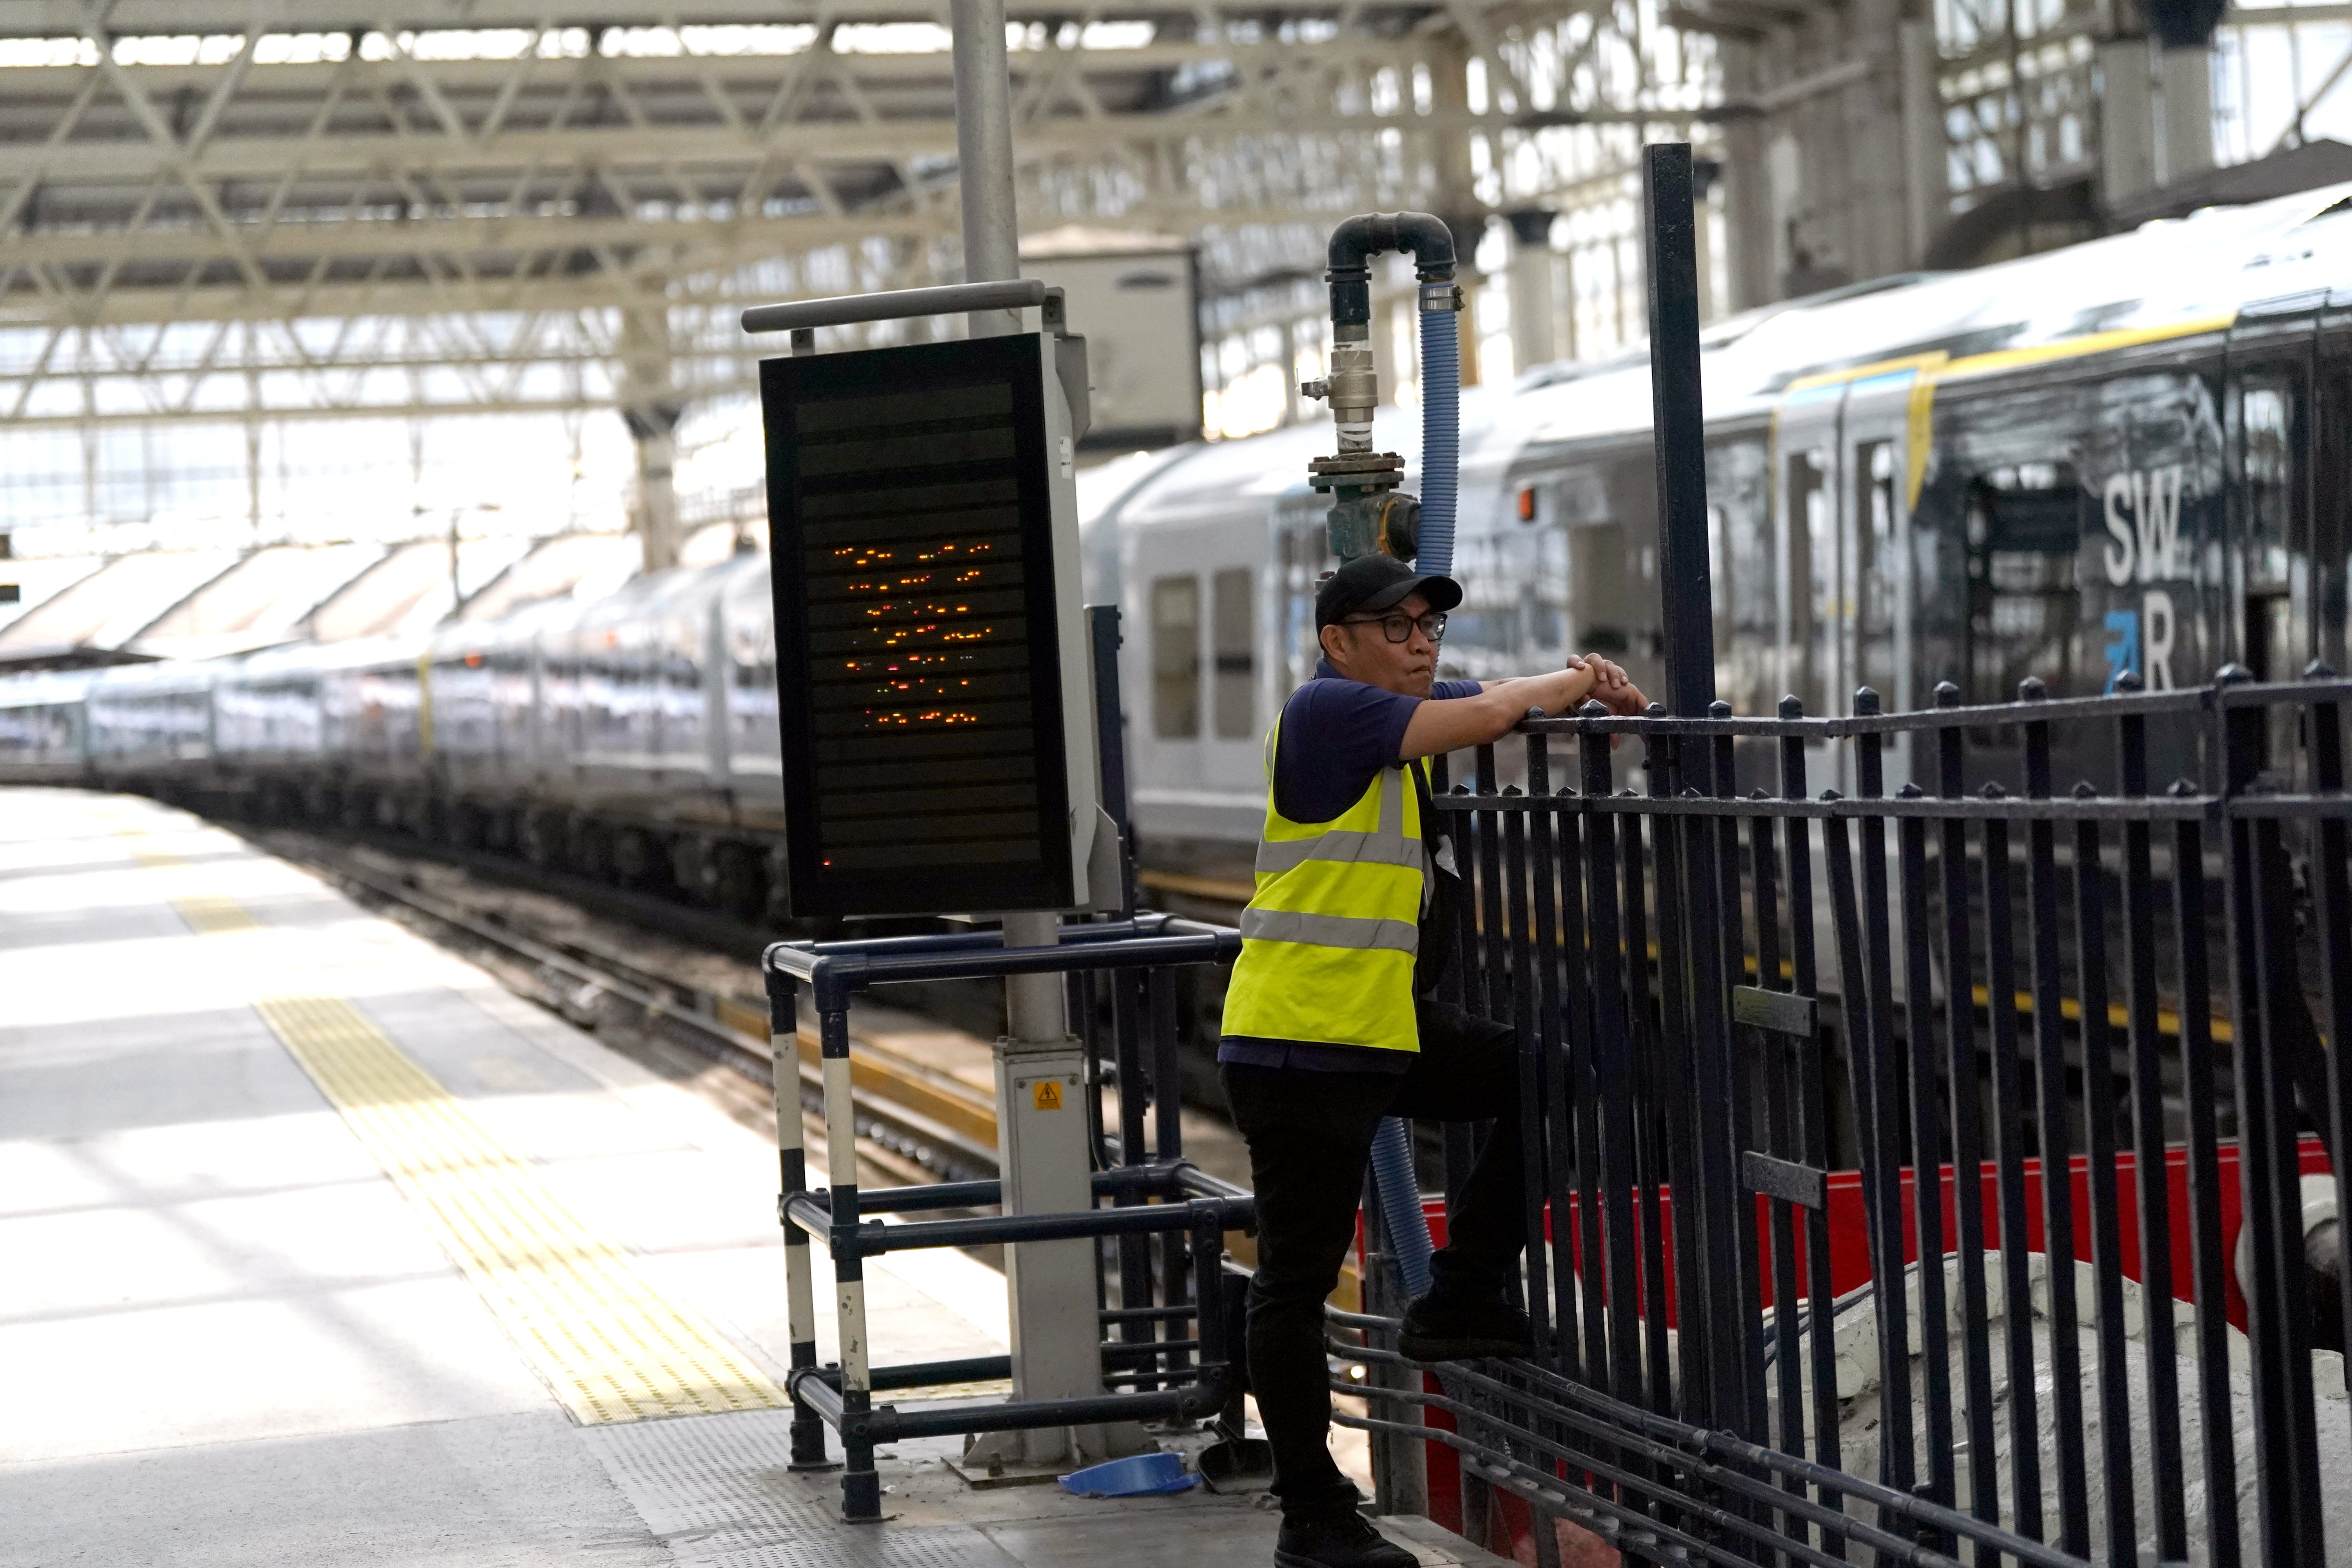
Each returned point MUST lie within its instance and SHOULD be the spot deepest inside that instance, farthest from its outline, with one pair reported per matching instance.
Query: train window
(1877, 577)
(2024, 602)
(1233, 620)
(1809, 521)
(1596, 574)
(2331, 522)
(1176, 658)
(1306, 552)
(2268, 466)
(2268, 477)
(1739, 541)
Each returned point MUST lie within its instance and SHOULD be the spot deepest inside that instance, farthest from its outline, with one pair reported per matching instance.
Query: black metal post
(1679, 431)
(1110, 744)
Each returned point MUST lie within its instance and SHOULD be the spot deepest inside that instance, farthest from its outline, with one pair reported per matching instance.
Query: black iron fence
(1932, 1167)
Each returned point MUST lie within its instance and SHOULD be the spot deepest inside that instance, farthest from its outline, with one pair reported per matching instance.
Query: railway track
(920, 1117)
(922, 1087)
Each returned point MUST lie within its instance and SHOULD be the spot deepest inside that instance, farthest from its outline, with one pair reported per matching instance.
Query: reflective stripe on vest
(1329, 930)
(1329, 939)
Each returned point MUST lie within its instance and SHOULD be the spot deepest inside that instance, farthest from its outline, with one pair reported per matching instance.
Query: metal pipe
(797, 957)
(995, 297)
(984, 98)
(1176, 1179)
(813, 1389)
(1077, 1225)
(1352, 386)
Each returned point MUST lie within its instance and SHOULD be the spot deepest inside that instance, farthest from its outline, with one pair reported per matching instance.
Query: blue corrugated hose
(1441, 428)
(1441, 461)
(1399, 1194)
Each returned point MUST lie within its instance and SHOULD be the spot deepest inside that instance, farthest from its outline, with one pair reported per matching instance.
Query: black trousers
(1308, 1136)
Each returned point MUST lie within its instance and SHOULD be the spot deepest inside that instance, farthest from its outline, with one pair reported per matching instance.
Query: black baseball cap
(1370, 584)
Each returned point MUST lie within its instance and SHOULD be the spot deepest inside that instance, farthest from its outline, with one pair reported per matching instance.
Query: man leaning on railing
(1331, 1024)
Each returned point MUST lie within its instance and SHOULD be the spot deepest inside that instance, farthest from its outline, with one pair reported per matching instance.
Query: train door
(2271, 551)
(1207, 594)
(1875, 565)
(1807, 465)
(2331, 490)
(2272, 546)
(1805, 461)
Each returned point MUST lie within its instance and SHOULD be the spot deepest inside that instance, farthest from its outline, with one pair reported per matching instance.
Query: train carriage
(2125, 459)
(44, 728)
(152, 724)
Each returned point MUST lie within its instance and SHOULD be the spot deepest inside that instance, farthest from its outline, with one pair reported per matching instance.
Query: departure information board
(919, 666)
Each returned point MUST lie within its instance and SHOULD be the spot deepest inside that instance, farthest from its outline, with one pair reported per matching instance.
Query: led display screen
(918, 664)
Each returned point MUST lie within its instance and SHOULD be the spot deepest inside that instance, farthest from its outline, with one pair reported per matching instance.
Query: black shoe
(1347, 1542)
(1439, 1329)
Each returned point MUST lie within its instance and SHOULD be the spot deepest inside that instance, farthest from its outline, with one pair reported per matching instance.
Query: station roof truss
(257, 209)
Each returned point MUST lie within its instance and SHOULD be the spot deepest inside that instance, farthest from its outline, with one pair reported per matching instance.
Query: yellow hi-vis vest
(1328, 939)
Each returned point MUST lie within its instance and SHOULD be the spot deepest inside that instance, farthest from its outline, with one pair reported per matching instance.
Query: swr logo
(2143, 544)
(2143, 513)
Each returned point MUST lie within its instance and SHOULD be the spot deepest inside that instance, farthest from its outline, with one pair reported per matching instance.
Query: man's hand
(1612, 686)
(1450, 725)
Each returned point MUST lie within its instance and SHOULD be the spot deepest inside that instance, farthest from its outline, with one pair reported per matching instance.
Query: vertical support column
(1927, 176)
(792, 1176)
(983, 96)
(1748, 186)
(861, 1486)
(650, 407)
(2129, 157)
(1535, 318)
(2184, 133)
(253, 405)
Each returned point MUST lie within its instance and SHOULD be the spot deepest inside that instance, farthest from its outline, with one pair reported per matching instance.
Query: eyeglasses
(1399, 627)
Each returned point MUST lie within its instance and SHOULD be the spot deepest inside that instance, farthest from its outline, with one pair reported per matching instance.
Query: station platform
(323, 1249)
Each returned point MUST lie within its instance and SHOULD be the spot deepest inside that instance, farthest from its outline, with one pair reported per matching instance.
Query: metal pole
(983, 95)
(1052, 1284)
(1679, 429)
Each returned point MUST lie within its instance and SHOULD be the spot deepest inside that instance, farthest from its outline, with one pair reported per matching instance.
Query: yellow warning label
(1046, 1094)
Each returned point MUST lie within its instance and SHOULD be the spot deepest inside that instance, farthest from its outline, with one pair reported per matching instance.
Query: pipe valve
(1367, 516)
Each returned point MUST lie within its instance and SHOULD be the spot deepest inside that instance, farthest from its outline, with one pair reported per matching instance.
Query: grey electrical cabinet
(938, 750)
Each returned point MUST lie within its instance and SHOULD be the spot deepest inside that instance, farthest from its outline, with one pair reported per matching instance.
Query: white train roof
(2167, 273)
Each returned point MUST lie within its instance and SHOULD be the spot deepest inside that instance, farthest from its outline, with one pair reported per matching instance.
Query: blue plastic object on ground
(1138, 1475)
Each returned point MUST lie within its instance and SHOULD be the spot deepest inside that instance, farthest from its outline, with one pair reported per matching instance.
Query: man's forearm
(1476, 721)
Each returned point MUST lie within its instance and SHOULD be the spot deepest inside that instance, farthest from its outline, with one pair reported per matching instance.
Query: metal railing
(1781, 1045)
(1166, 1219)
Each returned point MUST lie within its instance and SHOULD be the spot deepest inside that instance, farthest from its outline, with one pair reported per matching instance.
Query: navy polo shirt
(1336, 735)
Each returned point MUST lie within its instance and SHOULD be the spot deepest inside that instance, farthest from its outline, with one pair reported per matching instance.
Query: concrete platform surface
(321, 1249)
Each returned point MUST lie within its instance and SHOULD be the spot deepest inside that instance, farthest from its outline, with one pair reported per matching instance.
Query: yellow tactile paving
(610, 1343)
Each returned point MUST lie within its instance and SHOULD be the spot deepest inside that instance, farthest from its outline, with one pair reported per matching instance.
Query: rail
(2129, 1296)
(904, 1119)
